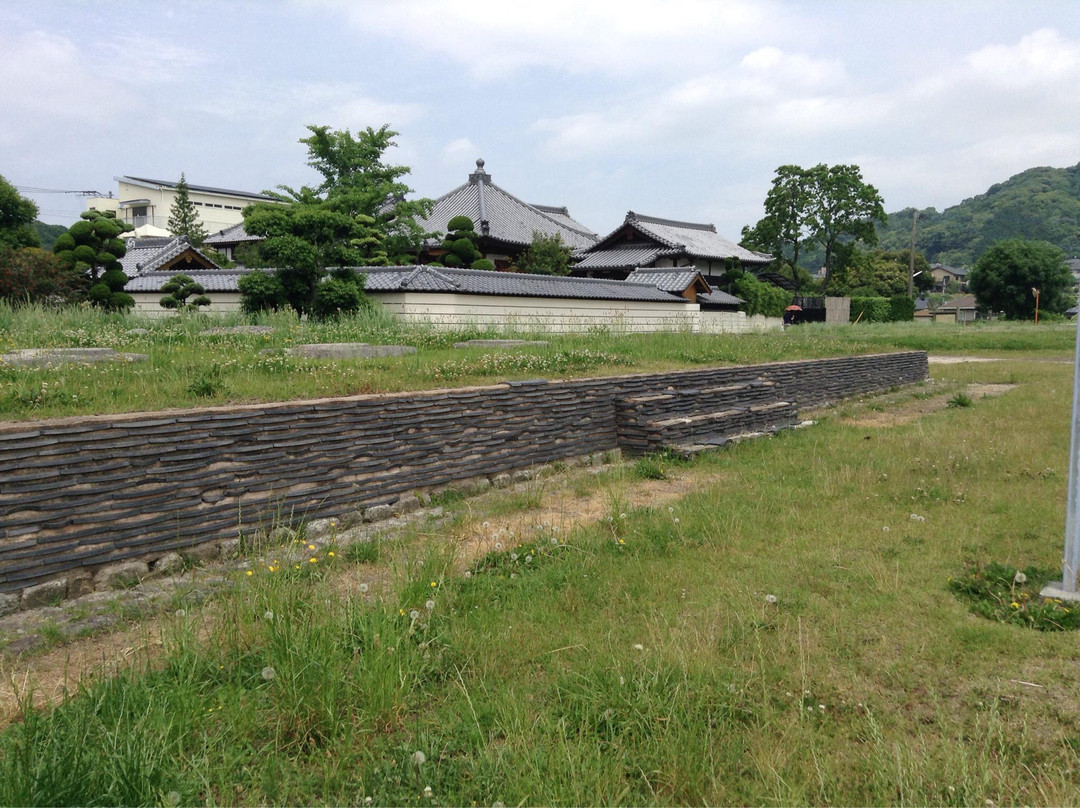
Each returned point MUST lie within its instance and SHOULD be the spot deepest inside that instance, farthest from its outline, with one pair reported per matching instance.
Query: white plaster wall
(540, 314)
(737, 322)
(147, 304)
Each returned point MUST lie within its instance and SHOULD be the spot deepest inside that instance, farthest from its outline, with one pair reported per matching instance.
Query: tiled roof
(562, 215)
(508, 218)
(212, 280)
(959, 272)
(205, 189)
(148, 254)
(618, 258)
(676, 280)
(514, 284)
(683, 238)
(231, 235)
(718, 298)
(446, 280)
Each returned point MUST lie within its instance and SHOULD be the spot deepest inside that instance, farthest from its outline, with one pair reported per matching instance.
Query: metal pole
(1071, 561)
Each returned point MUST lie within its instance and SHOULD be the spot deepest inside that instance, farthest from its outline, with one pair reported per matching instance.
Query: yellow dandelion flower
(271, 569)
(311, 546)
(1015, 605)
(249, 572)
(331, 554)
(313, 560)
(296, 566)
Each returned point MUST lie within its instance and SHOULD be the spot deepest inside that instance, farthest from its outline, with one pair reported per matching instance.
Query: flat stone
(46, 594)
(282, 535)
(79, 584)
(407, 504)
(501, 343)
(349, 350)
(55, 356)
(239, 329)
(471, 486)
(121, 575)
(318, 528)
(9, 603)
(230, 548)
(202, 553)
(523, 475)
(90, 625)
(501, 480)
(169, 564)
(378, 513)
(28, 643)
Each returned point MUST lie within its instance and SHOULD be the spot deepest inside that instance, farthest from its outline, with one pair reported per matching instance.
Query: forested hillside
(1040, 203)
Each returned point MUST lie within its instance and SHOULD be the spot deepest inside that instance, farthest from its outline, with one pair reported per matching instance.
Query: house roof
(446, 280)
(515, 284)
(718, 298)
(151, 254)
(664, 237)
(506, 217)
(203, 189)
(957, 303)
(231, 235)
(959, 272)
(674, 280)
(212, 280)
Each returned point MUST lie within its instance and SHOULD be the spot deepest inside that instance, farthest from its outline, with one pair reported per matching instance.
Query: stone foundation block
(121, 576)
(47, 594)
(378, 513)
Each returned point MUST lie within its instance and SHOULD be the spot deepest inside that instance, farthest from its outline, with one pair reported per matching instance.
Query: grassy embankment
(187, 369)
(640, 660)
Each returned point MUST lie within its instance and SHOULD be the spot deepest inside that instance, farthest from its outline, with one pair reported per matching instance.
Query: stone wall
(77, 493)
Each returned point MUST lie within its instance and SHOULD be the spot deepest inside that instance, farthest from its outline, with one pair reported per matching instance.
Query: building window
(139, 215)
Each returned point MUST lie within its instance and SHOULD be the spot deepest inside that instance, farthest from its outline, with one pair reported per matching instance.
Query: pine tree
(183, 218)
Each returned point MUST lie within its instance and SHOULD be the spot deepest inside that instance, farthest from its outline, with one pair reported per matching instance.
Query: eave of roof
(202, 189)
(694, 239)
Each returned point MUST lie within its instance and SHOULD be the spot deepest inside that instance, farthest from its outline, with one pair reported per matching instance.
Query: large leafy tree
(1006, 275)
(826, 206)
(845, 208)
(358, 216)
(789, 217)
(93, 247)
(17, 216)
(183, 218)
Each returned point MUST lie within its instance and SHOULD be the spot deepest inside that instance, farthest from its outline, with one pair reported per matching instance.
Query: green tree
(183, 218)
(826, 206)
(260, 291)
(340, 293)
(357, 216)
(93, 247)
(459, 245)
(17, 215)
(1004, 277)
(845, 208)
(879, 273)
(177, 291)
(788, 219)
(547, 255)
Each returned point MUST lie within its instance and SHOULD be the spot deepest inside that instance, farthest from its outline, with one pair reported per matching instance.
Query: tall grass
(783, 636)
(186, 368)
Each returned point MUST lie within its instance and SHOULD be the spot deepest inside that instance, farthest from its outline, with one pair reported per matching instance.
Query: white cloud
(459, 150)
(1041, 59)
(494, 39)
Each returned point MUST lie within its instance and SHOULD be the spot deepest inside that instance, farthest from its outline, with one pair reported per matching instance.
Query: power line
(32, 190)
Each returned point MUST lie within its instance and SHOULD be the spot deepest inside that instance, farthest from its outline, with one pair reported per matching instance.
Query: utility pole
(911, 256)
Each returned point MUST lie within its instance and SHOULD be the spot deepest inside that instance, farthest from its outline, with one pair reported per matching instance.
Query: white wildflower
(1019, 578)
(429, 605)
(414, 615)
(419, 758)
(363, 588)
(639, 647)
(770, 599)
(427, 792)
(268, 674)
(268, 615)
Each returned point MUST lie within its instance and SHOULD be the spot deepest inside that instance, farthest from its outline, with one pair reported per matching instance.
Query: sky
(677, 108)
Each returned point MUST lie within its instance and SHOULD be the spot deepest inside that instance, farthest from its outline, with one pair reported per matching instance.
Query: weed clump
(1009, 595)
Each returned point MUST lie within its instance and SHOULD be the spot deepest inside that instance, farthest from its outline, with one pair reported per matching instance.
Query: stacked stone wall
(77, 493)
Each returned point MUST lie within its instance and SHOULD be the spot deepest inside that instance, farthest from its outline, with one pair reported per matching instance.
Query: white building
(146, 204)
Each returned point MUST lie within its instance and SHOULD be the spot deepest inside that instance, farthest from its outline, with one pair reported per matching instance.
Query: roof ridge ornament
(479, 177)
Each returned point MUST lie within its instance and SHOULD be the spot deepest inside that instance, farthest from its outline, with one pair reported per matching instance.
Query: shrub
(483, 263)
(870, 310)
(177, 291)
(260, 291)
(762, 297)
(32, 275)
(901, 308)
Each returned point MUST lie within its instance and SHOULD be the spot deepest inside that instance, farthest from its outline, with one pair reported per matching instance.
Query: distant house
(227, 240)
(960, 309)
(648, 241)
(146, 203)
(504, 223)
(943, 275)
(168, 255)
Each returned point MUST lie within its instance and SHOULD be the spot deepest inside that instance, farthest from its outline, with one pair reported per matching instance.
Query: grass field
(782, 634)
(187, 369)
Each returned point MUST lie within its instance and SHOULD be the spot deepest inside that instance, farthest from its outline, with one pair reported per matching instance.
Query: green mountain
(49, 233)
(1040, 203)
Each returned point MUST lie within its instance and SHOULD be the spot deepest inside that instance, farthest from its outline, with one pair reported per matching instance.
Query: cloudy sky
(676, 108)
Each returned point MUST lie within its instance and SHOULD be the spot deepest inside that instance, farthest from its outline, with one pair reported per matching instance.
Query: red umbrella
(792, 308)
